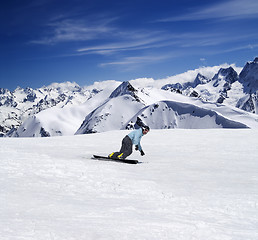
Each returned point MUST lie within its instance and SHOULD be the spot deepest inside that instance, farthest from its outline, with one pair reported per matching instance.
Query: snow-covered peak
(111, 115)
(229, 75)
(123, 89)
(200, 79)
(179, 87)
(18, 89)
(249, 76)
(4, 91)
(126, 88)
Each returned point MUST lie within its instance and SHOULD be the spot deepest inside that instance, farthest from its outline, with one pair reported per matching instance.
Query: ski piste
(130, 161)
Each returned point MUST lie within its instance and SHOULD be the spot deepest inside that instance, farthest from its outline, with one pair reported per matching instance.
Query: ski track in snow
(191, 185)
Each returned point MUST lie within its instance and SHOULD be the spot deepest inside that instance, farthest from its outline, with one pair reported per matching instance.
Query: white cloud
(233, 9)
(122, 45)
(71, 30)
(136, 60)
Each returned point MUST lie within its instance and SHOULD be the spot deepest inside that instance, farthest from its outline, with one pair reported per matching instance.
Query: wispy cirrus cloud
(157, 40)
(229, 10)
(136, 60)
(69, 30)
(111, 37)
(124, 45)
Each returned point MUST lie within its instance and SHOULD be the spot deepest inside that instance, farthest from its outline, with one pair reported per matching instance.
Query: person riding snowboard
(133, 138)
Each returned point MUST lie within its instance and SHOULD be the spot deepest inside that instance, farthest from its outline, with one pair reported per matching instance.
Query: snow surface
(191, 185)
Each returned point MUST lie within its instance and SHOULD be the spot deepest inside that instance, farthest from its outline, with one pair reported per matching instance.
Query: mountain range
(224, 100)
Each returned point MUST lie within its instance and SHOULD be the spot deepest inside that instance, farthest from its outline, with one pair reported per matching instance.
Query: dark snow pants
(126, 148)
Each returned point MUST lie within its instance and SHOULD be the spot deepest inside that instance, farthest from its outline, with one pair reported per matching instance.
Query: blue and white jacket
(136, 136)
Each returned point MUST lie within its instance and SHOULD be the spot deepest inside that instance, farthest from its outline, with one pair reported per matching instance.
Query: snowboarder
(133, 138)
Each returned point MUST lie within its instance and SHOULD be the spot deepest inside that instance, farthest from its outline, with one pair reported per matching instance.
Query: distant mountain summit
(229, 75)
(123, 89)
(223, 80)
(249, 79)
(121, 105)
(200, 79)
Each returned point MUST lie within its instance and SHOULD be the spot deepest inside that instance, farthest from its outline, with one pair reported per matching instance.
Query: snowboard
(116, 159)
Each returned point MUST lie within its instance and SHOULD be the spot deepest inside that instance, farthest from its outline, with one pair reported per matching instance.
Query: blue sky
(47, 41)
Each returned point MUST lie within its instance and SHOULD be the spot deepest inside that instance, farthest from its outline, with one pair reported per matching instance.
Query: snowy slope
(17, 106)
(112, 115)
(192, 184)
(118, 108)
(65, 120)
(170, 114)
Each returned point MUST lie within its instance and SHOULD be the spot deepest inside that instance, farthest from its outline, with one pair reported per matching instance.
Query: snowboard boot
(120, 156)
(111, 154)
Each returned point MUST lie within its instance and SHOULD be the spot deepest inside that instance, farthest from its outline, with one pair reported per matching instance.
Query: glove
(136, 148)
(142, 153)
